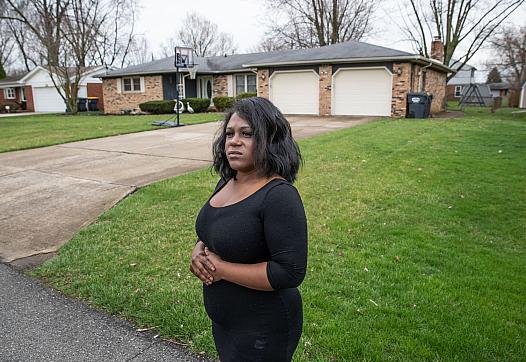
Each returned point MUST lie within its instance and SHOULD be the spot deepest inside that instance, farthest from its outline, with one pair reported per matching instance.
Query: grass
(416, 245)
(23, 132)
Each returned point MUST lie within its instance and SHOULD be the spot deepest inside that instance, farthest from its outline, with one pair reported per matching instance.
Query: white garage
(362, 92)
(295, 92)
(47, 99)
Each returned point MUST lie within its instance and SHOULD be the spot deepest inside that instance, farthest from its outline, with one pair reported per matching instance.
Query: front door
(205, 87)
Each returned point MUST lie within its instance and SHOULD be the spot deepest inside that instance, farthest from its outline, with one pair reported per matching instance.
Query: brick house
(351, 78)
(34, 91)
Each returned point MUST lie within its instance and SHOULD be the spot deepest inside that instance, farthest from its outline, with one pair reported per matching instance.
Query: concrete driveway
(48, 194)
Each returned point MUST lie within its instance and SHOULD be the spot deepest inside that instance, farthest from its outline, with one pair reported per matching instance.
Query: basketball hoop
(192, 71)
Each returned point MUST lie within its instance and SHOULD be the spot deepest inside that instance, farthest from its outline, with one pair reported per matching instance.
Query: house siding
(95, 90)
(325, 72)
(116, 102)
(402, 84)
(263, 75)
(17, 102)
(220, 86)
(8, 102)
(435, 83)
(30, 104)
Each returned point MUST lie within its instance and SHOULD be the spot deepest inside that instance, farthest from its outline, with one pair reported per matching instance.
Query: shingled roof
(346, 52)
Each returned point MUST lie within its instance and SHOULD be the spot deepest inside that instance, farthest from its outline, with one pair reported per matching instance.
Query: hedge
(245, 95)
(12, 107)
(222, 103)
(157, 107)
(198, 104)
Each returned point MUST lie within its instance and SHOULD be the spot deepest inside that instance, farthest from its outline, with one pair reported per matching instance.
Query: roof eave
(415, 58)
(11, 84)
(243, 70)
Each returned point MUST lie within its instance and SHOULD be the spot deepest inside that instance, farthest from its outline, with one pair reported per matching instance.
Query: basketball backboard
(184, 57)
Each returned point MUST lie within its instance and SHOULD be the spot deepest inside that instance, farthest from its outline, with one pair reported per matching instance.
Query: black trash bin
(81, 104)
(93, 103)
(419, 105)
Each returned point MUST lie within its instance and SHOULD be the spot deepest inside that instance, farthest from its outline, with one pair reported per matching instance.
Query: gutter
(12, 84)
(414, 58)
(244, 70)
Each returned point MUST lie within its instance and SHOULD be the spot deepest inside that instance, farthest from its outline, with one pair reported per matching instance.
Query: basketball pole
(177, 94)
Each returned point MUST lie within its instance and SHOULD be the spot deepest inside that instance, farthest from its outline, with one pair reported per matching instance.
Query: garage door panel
(47, 99)
(295, 92)
(362, 92)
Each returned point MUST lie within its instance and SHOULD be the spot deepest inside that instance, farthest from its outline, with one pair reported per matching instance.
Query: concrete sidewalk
(38, 324)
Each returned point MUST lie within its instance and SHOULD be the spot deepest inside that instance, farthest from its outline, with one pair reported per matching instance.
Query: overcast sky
(247, 20)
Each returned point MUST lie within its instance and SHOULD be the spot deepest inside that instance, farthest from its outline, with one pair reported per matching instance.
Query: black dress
(269, 225)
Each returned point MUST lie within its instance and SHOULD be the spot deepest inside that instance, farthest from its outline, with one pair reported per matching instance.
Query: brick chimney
(437, 49)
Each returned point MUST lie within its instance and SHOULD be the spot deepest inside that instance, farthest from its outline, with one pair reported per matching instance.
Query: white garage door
(362, 92)
(47, 99)
(295, 92)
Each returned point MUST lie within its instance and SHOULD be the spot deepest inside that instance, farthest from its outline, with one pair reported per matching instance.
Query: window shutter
(142, 85)
(119, 85)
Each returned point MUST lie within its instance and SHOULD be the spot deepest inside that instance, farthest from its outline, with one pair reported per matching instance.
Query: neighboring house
(351, 78)
(499, 89)
(522, 99)
(14, 94)
(34, 91)
(459, 82)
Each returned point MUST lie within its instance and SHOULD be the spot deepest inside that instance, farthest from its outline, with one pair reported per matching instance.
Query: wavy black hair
(276, 152)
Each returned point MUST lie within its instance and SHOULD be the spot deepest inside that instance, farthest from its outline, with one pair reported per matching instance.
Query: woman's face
(240, 144)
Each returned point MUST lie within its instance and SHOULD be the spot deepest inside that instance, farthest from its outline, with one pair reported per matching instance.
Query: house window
(132, 84)
(245, 83)
(23, 94)
(458, 91)
(9, 93)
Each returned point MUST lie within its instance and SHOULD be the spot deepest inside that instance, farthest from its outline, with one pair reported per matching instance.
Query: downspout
(421, 78)
(257, 80)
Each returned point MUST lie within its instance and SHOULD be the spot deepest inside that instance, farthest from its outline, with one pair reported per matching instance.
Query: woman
(252, 248)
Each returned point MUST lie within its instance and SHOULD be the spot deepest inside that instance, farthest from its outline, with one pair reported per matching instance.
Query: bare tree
(270, 44)
(464, 26)
(225, 44)
(26, 44)
(116, 34)
(7, 46)
(509, 47)
(139, 51)
(167, 47)
(311, 23)
(203, 36)
(67, 35)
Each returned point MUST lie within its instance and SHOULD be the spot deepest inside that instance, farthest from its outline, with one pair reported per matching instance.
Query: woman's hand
(201, 265)
(216, 261)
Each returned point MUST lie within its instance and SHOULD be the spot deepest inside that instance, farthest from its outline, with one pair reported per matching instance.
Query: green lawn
(22, 132)
(417, 245)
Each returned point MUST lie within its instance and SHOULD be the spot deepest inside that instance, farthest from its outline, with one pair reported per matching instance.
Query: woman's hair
(276, 152)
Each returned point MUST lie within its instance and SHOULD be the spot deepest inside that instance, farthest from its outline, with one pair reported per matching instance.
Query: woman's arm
(253, 276)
